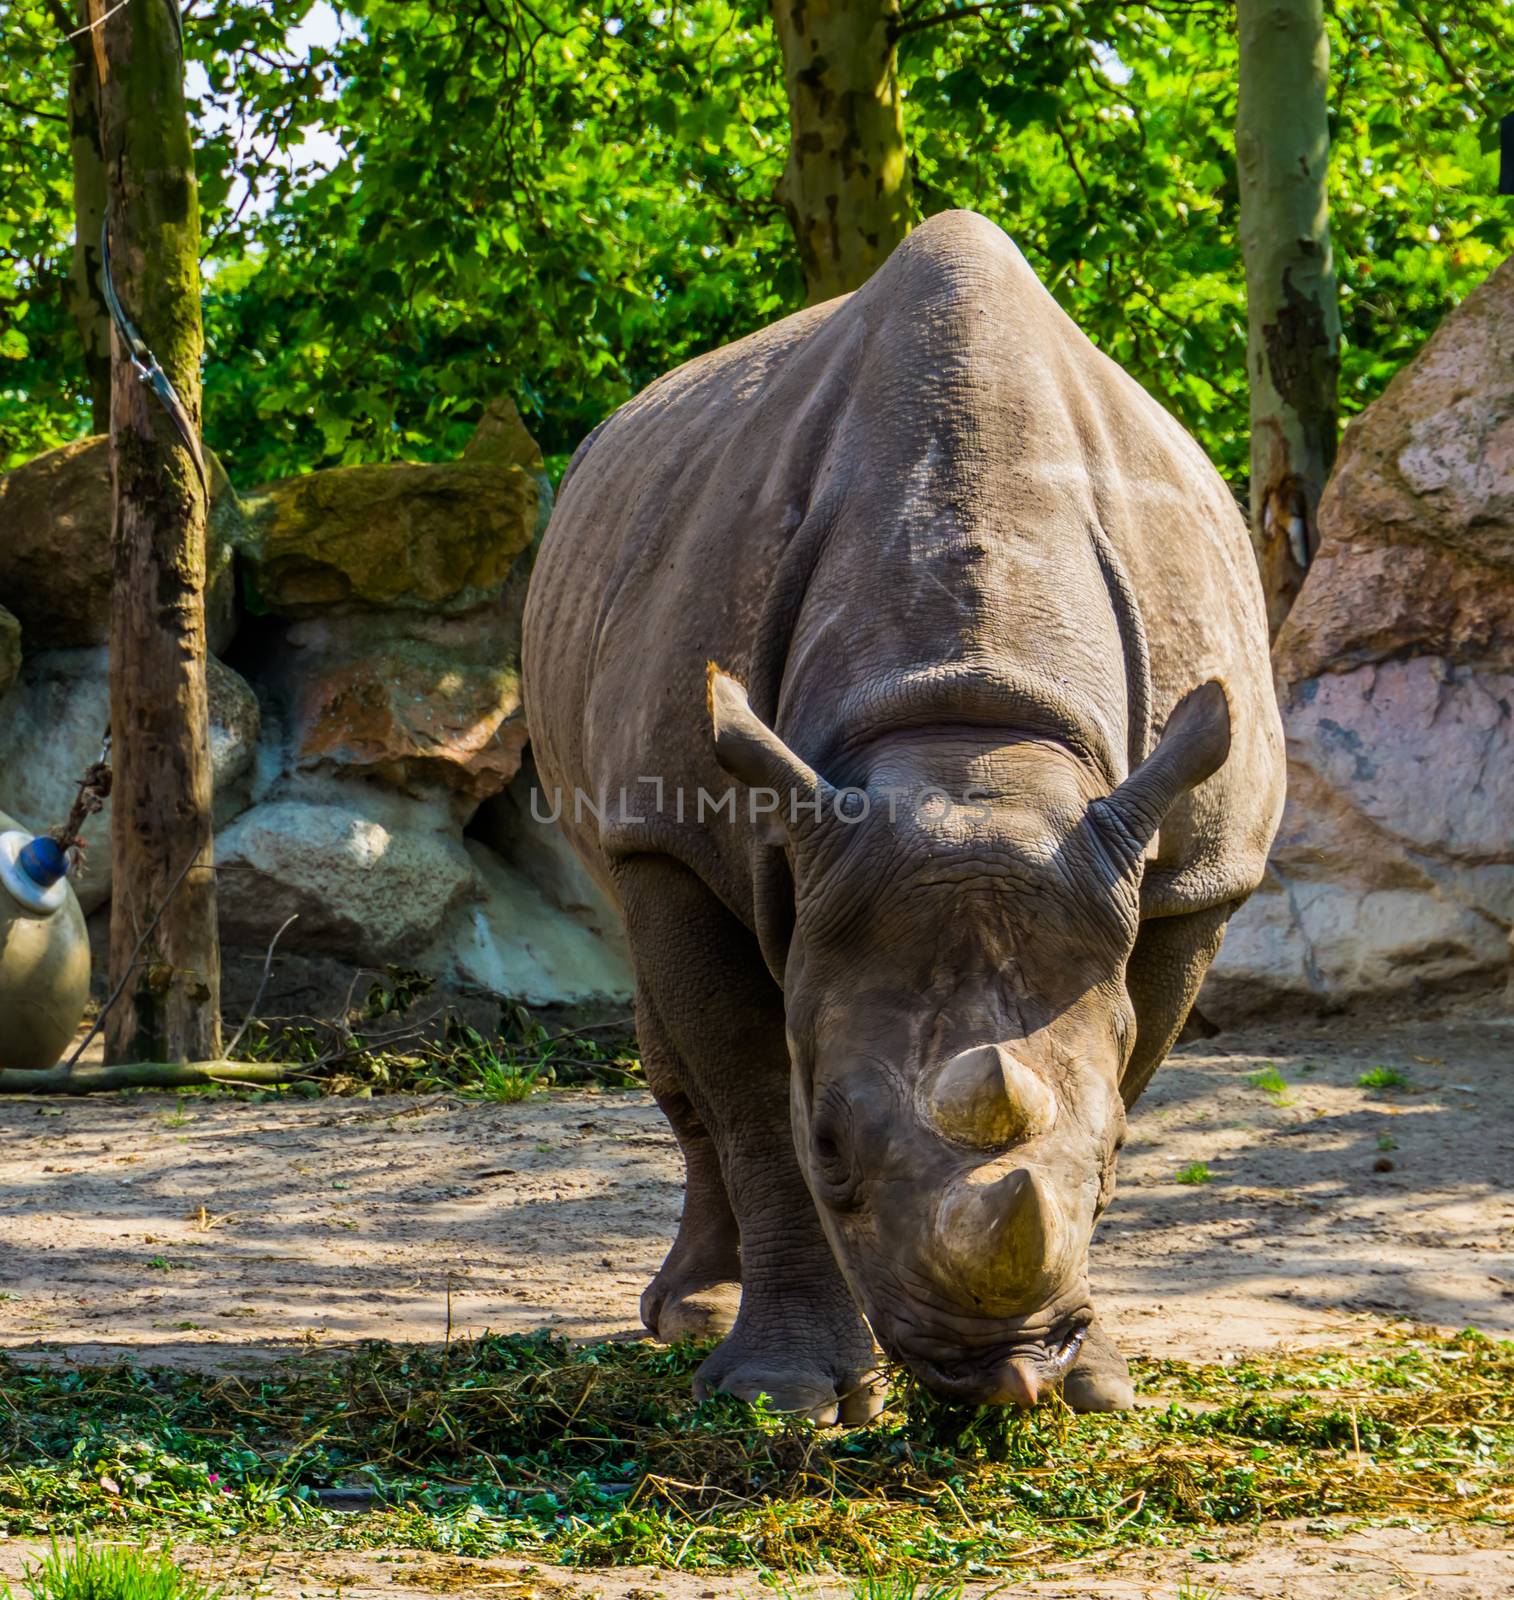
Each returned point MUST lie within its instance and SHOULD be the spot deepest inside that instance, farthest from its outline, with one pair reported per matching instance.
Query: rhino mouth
(1019, 1372)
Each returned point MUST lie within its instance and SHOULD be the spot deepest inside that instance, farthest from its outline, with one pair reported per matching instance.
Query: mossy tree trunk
(846, 186)
(170, 1008)
(86, 303)
(1293, 350)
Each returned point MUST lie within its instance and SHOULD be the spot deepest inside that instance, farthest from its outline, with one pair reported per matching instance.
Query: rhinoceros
(901, 673)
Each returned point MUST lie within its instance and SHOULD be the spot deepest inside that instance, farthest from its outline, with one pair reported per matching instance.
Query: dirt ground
(193, 1229)
(1289, 1562)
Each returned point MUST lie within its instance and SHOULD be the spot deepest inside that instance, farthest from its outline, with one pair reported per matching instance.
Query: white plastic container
(44, 951)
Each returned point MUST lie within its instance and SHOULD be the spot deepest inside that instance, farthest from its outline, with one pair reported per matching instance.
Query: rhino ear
(1193, 746)
(754, 755)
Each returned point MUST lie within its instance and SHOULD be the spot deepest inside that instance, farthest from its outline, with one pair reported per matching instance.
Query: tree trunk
(1282, 141)
(846, 185)
(170, 1009)
(86, 304)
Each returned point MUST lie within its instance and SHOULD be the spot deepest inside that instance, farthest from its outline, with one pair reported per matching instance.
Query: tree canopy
(412, 205)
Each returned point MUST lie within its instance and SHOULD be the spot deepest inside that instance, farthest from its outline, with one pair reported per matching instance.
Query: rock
(501, 436)
(235, 726)
(370, 882)
(378, 877)
(1391, 883)
(429, 538)
(409, 700)
(55, 561)
(518, 827)
(540, 930)
(511, 940)
(50, 731)
(10, 650)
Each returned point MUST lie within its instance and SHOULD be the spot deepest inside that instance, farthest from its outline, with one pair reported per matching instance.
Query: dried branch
(257, 998)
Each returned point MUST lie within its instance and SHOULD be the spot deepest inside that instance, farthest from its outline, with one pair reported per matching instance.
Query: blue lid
(43, 862)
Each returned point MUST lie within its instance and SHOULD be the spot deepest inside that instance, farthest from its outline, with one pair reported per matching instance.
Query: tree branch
(145, 1075)
(31, 111)
(917, 24)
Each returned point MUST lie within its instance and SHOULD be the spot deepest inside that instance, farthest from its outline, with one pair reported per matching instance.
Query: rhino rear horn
(1194, 745)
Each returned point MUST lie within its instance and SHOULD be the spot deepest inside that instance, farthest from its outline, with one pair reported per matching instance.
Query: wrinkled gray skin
(943, 543)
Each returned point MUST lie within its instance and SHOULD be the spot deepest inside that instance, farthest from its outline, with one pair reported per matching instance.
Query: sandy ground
(194, 1229)
(171, 1224)
(1284, 1562)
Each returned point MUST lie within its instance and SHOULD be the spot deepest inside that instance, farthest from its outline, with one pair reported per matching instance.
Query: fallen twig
(257, 999)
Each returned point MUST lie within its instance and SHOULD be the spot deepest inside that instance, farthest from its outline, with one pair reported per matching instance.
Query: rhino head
(958, 1023)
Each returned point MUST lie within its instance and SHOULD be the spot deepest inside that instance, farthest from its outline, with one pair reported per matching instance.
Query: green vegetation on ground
(395, 1043)
(108, 1572)
(1272, 1083)
(597, 1455)
(1382, 1078)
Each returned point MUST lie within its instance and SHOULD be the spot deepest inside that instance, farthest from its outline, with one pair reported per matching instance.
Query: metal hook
(146, 364)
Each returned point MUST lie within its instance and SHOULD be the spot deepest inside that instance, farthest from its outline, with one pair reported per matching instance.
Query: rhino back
(925, 500)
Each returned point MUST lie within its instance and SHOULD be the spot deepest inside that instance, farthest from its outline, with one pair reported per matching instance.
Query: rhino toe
(800, 1391)
(700, 1311)
(826, 1387)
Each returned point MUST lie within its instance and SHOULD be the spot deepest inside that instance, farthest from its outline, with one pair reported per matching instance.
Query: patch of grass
(109, 1572)
(1188, 1590)
(1195, 1172)
(1271, 1082)
(905, 1586)
(1386, 1141)
(1382, 1078)
(506, 1081)
(596, 1455)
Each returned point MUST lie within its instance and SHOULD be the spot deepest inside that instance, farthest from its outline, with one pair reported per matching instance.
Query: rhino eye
(833, 1163)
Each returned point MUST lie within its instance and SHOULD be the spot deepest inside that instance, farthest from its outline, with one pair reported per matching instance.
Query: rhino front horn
(1006, 1240)
(987, 1099)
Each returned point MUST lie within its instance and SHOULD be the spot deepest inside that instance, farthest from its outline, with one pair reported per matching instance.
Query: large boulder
(393, 650)
(376, 877)
(426, 538)
(540, 929)
(370, 877)
(10, 650)
(512, 940)
(55, 560)
(50, 730)
(419, 703)
(1392, 879)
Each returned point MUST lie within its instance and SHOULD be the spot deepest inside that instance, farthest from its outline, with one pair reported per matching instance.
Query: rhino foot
(1101, 1379)
(827, 1379)
(674, 1308)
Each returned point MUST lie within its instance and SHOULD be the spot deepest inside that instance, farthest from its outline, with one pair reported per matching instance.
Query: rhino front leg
(1168, 964)
(1162, 978)
(798, 1336)
(697, 1290)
